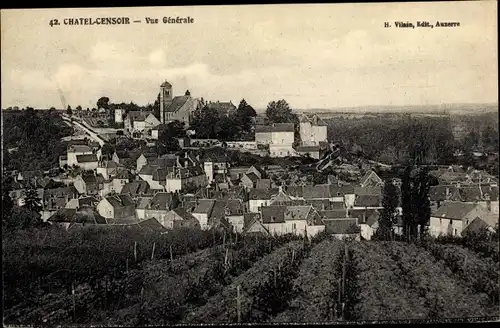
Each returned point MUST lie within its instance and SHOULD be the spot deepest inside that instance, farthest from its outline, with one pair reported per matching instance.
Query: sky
(313, 56)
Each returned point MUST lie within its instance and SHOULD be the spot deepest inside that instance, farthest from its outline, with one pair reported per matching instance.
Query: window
(294, 227)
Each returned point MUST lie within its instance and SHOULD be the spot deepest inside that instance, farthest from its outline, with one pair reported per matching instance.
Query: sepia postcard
(250, 164)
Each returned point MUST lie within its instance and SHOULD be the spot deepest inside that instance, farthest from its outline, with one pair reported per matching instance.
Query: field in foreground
(270, 280)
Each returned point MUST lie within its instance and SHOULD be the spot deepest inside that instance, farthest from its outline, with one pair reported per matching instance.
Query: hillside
(249, 279)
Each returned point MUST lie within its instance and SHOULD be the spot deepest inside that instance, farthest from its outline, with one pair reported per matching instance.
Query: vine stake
(238, 303)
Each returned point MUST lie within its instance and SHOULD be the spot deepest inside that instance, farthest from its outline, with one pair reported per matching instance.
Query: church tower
(165, 99)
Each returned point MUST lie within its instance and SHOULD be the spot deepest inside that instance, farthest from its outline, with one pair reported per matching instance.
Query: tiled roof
(60, 192)
(368, 216)
(71, 215)
(367, 190)
(369, 176)
(297, 212)
(261, 194)
(295, 191)
(142, 202)
(92, 178)
(293, 202)
(453, 210)
(341, 226)
(79, 149)
(273, 214)
(162, 201)
(320, 204)
(306, 149)
(275, 127)
(137, 115)
(204, 206)
(368, 200)
(135, 188)
(152, 225)
(337, 205)
(234, 206)
(333, 214)
(86, 158)
(252, 176)
(258, 169)
(177, 103)
(313, 119)
(166, 84)
(321, 191)
(441, 192)
(249, 218)
(121, 200)
(183, 213)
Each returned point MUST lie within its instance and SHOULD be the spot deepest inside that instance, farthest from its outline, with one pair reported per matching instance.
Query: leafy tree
(489, 138)
(204, 122)
(406, 200)
(103, 102)
(78, 108)
(280, 112)
(156, 107)
(168, 136)
(416, 204)
(69, 111)
(387, 218)
(226, 129)
(422, 204)
(23, 218)
(7, 202)
(243, 116)
(37, 135)
(107, 150)
(31, 200)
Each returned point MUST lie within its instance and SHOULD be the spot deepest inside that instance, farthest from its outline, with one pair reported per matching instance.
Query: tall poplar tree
(390, 202)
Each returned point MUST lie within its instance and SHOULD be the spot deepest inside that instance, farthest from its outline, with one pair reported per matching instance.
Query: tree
(69, 111)
(23, 218)
(103, 102)
(422, 206)
(489, 138)
(78, 108)
(7, 202)
(388, 217)
(243, 116)
(31, 200)
(156, 107)
(406, 201)
(168, 136)
(416, 204)
(204, 122)
(107, 150)
(280, 112)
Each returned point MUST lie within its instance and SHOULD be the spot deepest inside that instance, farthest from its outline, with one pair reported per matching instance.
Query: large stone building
(278, 136)
(313, 130)
(178, 108)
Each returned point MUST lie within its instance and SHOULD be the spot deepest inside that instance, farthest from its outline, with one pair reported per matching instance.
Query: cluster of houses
(463, 200)
(279, 138)
(171, 191)
(208, 192)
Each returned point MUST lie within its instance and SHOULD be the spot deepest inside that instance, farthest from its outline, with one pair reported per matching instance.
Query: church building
(178, 108)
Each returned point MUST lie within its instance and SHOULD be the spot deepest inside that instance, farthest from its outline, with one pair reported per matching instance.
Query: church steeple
(165, 99)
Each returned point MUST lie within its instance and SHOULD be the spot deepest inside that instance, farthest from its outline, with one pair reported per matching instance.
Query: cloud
(157, 58)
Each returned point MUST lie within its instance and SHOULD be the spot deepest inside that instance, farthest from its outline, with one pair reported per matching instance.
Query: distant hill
(443, 108)
(455, 109)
